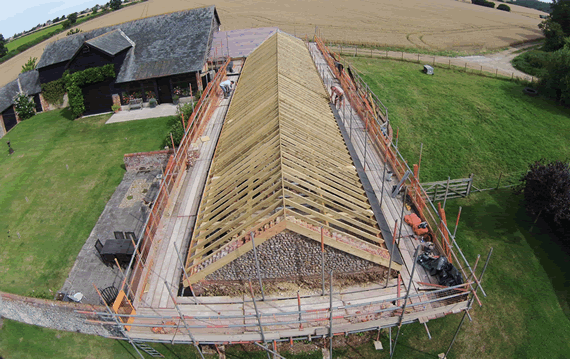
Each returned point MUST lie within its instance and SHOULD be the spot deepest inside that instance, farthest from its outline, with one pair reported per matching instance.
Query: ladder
(147, 349)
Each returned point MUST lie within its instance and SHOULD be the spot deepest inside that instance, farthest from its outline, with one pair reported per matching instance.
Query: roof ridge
(126, 37)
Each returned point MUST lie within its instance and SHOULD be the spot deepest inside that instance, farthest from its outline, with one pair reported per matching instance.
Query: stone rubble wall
(147, 160)
(47, 106)
(52, 314)
(290, 255)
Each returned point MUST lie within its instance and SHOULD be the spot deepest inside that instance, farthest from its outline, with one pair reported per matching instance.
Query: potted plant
(152, 102)
(116, 108)
(175, 99)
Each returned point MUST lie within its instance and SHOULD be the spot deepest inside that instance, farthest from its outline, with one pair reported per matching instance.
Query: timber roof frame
(281, 163)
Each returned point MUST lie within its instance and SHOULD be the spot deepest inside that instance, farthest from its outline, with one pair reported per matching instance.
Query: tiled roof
(111, 43)
(30, 83)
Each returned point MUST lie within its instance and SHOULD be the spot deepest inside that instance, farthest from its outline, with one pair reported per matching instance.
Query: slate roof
(165, 45)
(111, 43)
(30, 82)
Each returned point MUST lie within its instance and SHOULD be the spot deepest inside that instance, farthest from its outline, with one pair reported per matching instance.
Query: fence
(177, 164)
(448, 189)
(440, 61)
(382, 142)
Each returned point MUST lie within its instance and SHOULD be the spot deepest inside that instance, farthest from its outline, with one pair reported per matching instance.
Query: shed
(428, 70)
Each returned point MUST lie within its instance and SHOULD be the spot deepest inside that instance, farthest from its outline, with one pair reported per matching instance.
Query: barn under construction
(275, 185)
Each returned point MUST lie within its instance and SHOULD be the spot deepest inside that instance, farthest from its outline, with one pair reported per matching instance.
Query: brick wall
(290, 255)
(116, 99)
(147, 160)
(17, 116)
(2, 128)
(47, 106)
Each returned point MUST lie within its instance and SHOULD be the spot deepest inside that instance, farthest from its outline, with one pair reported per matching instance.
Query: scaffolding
(224, 320)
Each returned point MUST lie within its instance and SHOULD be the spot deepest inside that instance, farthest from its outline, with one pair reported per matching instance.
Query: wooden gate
(448, 189)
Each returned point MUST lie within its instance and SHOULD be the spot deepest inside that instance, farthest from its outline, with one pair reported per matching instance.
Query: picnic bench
(136, 103)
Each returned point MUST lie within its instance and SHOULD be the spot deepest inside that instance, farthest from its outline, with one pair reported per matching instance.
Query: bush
(546, 188)
(504, 7)
(53, 91)
(533, 62)
(25, 106)
(73, 31)
(185, 110)
(483, 3)
(177, 131)
(30, 65)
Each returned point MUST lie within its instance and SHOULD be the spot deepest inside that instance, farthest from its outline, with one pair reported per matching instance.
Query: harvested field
(436, 25)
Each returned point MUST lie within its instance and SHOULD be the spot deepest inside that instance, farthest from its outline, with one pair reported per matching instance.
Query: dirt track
(438, 24)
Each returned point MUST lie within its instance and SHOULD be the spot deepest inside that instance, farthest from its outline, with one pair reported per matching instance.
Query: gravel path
(500, 60)
(497, 63)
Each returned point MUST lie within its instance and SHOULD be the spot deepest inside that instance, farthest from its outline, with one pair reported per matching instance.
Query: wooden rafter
(281, 163)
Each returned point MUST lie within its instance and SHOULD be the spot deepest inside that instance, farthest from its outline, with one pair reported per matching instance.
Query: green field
(54, 209)
(31, 37)
(467, 123)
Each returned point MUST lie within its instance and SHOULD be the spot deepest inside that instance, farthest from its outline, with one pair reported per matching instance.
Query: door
(97, 98)
(164, 93)
(9, 118)
(38, 103)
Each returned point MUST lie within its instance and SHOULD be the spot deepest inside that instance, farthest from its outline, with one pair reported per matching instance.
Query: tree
(561, 14)
(3, 49)
(56, 19)
(30, 65)
(546, 189)
(72, 17)
(553, 33)
(557, 79)
(115, 4)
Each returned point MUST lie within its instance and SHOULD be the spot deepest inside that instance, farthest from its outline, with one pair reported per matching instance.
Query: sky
(18, 16)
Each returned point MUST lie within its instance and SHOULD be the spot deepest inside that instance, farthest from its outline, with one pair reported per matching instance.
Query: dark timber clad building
(28, 82)
(154, 54)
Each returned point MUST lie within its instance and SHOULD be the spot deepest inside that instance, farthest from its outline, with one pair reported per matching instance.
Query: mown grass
(18, 340)
(467, 123)
(53, 189)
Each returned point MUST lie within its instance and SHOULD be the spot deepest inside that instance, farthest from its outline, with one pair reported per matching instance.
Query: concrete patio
(144, 113)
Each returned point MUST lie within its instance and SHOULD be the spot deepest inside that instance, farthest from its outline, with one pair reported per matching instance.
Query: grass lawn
(19, 340)
(24, 39)
(54, 208)
(468, 123)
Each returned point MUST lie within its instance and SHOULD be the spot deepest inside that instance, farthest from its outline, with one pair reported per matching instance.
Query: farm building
(156, 54)
(27, 82)
(272, 188)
